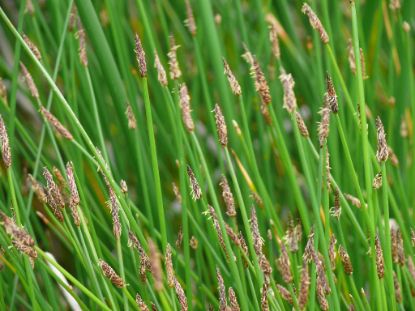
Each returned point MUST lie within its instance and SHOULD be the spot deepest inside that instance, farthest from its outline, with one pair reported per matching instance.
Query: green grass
(269, 164)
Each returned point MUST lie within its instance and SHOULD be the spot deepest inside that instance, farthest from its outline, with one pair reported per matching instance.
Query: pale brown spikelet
(293, 236)
(176, 192)
(110, 274)
(285, 293)
(132, 123)
(382, 152)
(235, 87)
(161, 72)
(345, 259)
(392, 155)
(304, 286)
(273, 38)
(218, 230)
(287, 81)
(221, 126)
(332, 251)
(324, 124)
(321, 274)
(315, 22)
(331, 95)
(179, 239)
(363, 63)
(398, 251)
(261, 84)
(61, 182)
(264, 296)
(145, 263)
(114, 206)
(156, 269)
(123, 186)
(32, 47)
(29, 81)
(321, 297)
(73, 18)
(256, 235)
(37, 189)
(57, 125)
(353, 200)
(185, 107)
(169, 267)
(74, 199)
(327, 172)
(5, 146)
(284, 265)
(53, 195)
(233, 301)
(398, 291)
(140, 56)
(232, 235)
(227, 197)
(380, 264)
(336, 210)
(377, 181)
(301, 125)
(190, 21)
(81, 35)
(351, 58)
(195, 189)
(411, 266)
(21, 240)
(242, 242)
(140, 303)
(181, 296)
(194, 243)
(175, 72)
(394, 5)
(222, 291)
(309, 248)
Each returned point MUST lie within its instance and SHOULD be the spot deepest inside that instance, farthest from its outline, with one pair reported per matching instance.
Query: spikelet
(74, 199)
(194, 243)
(380, 264)
(53, 195)
(81, 35)
(309, 248)
(382, 152)
(5, 146)
(169, 267)
(221, 126)
(273, 38)
(32, 47)
(293, 236)
(218, 230)
(140, 303)
(132, 123)
(377, 181)
(227, 197)
(222, 291)
(123, 186)
(287, 81)
(181, 296)
(114, 206)
(140, 56)
(351, 58)
(57, 125)
(233, 301)
(394, 159)
(175, 72)
(301, 125)
(176, 192)
(264, 296)
(285, 293)
(411, 267)
(331, 95)
(190, 21)
(398, 251)
(156, 270)
(145, 263)
(29, 82)
(324, 125)
(179, 239)
(353, 200)
(284, 265)
(398, 291)
(261, 84)
(304, 286)
(110, 274)
(195, 189)
(161, 72)
(345, 259)
(324, 304)
(256, 235)
(315, 22)
(37, 189)
(332, 251)
(321, 274)
(235, 87)
(336, 210)
(185, 107)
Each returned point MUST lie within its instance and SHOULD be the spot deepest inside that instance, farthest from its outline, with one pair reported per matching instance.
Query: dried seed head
(37, 189)
(190, 21)
(53, 195)
(132, 123)
(179, 239)
(304, 286)
(218, 230)
(194, 243)
(140, 56)
(264, 296)
(395, 5)
(377, 181)
(345, 259)
(273, 38)
(336, 210)
(227, 197)
(324, 125)
(185, 107)
(176, 192)
(256, 235)
(175, 72)
(309, 248)
(195, 189)
(287, 81)
(382, 151)
(81, 35)
(398, 292)
(284, 265)
(140, 303)
(332, 251)
(331, 95)
(315, 22)
(285, 293)
(74, 199)
(324, 304)
(411, 267)
(261, 84)
(181, 296)
(398, 251)
(327, 170)
(222, 291)
(161, 72)
(156, 270)
(221, 126)
(169, 267)
(114, 206)
(123, 186)
(145, 263)
(110, 274)
(351, 58)
(5, 146)
(353, 200)
(293, 236)
(57, 125)
(301, 125)
(234, 305)
(235, 87)
(29, 82)
(321, 274)
(380, 265)
(32, 47)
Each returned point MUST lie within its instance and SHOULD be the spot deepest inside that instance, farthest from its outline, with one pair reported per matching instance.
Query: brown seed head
(377, 181)
(309, 248)
(256, 235)
(315, 22)
(185, 107)
(169, 267)
(395, 5)
(175, 72)
(261, 84)
(332, 251)
(32, 47)
(336, 210)
(190, 21)
(304, 286)
(161, 72)
(114, 206)
(110, 274)
(156, 269)
(181, 296)
(398, 291)
(380, 264)
(222, 291)
(195, 189)
(324, 125)
(353, 200)
(285, 293)
(331, 95)
(194, 243)
(227, 197)
(132, 123)
(123, 186)
(29, 81)
(145, 263)
(218, 230)
(284, 265)
(81, 35)
(5, 146)
(74, 199)
(53, 194)
(234, 305)
(235, 87)
(382, 151)
(287, 81)
(221, 126)
(345, 259)
(264, 296)
(301, 125)
(140, 303)
(57, 125)
(140, 56)
(37, 189)
(273, 38)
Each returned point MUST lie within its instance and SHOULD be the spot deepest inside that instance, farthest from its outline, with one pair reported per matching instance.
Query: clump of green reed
(193, 155)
